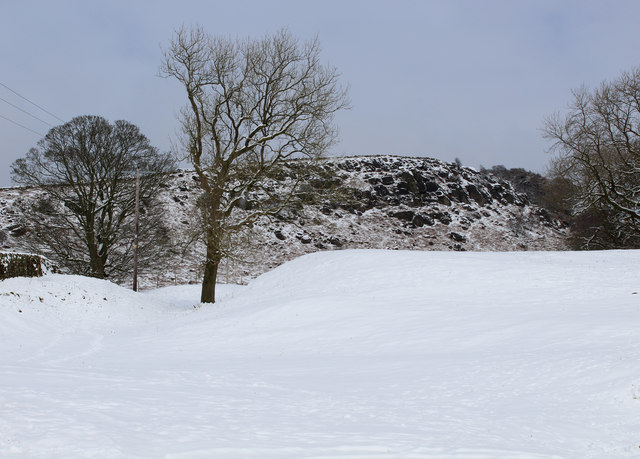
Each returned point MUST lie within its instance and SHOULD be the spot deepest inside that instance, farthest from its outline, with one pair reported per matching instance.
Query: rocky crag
(382, 202)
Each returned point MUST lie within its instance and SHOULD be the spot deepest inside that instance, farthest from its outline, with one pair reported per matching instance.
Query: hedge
(23, 265)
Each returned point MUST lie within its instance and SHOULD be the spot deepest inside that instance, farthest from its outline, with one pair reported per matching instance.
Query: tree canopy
(85, 220)
(251, 105)
(597, 150)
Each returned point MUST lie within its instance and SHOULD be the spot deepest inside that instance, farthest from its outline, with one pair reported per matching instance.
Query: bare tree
(84, 222)
(597, 147)
(252, 105)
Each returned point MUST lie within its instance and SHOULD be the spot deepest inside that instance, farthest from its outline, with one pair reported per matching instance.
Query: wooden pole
(135, 241)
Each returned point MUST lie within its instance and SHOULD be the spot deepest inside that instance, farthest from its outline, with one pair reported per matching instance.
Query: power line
(24, 111)
(32, 103)
(24, 127)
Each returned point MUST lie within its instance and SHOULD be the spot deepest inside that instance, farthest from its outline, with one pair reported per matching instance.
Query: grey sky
(445, 79)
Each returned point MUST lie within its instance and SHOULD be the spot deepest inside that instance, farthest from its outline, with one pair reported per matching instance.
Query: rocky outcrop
(384, 202)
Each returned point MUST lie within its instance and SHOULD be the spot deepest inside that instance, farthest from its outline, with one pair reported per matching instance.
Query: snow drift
(376, 354)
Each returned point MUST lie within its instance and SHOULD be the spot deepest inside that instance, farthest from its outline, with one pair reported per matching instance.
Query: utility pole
(135, 240)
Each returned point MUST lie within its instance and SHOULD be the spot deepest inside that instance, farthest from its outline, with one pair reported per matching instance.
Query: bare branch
(84, 222)
(251, 105)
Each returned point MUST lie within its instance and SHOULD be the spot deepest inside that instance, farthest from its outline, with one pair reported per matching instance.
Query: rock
(346, 165)
(475, 194)
(279, 235)
(458, 193)
(421, 220)
(19, 231)
(442, 217)
(381, 190)
(387, 180)
(509, 197)
(496, 191)
(406, 215)
(375, 163)
(366, 200)
(457, 237)
(403, 188)
(393, 201)
(431, 187)
(444, 200)
(544, 215)
(409, 182)
(335, 241)
(419, 179)
(286, 215)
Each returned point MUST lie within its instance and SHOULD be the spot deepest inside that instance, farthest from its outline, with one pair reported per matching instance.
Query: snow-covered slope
(351, 354)
(383, 202)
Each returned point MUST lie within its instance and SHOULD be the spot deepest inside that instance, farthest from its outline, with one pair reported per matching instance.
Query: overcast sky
(444, 79)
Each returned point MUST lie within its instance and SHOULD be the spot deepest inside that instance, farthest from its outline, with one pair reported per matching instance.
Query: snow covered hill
(343, 354)
(385, 202)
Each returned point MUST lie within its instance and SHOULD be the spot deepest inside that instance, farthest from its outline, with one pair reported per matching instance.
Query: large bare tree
(597, 149)
(252, 105)
(85, 220)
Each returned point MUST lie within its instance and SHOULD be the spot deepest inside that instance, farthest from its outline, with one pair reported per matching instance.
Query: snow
(338, 220)
(343, 354)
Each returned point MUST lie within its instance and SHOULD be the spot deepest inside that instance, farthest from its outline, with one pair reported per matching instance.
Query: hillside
(381, 202)
(349, 354)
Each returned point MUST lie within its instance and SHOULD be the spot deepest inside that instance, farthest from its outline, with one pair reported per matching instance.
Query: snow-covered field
(352, 354)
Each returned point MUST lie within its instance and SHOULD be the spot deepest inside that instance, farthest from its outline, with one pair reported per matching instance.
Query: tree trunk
(210, 275)
(96, 261)
(209, 282)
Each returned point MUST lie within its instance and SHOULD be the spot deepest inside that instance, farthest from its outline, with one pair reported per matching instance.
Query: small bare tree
(597, 147)
(85, 221)
(252, 105)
